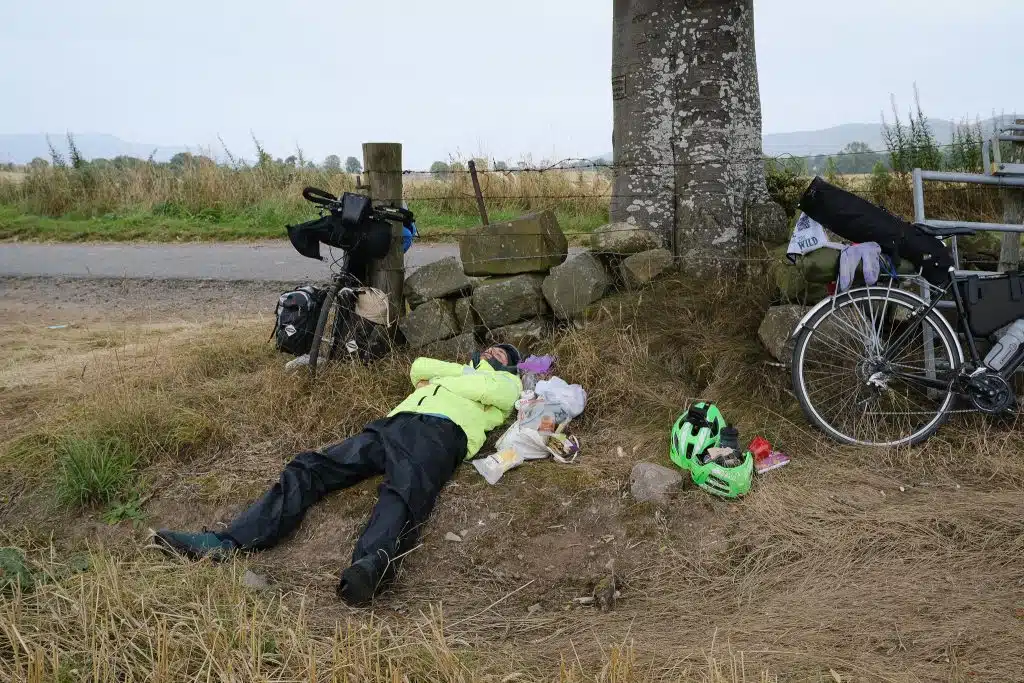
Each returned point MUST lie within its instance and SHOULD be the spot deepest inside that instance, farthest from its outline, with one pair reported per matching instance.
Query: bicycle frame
(976, 361)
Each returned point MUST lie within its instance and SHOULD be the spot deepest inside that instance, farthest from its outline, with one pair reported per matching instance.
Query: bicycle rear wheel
(860, 368)
(322, 347)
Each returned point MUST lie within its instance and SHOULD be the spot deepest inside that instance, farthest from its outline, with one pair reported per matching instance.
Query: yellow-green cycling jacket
(477, 399)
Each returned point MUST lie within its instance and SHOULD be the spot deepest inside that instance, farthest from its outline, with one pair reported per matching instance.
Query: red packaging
(760, 448)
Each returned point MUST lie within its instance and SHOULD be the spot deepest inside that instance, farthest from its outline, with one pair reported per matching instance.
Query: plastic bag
(571, 397)
(517, 445)
(539, 430)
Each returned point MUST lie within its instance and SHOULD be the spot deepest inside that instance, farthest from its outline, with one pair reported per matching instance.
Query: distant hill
(21, 149)
(831, 140)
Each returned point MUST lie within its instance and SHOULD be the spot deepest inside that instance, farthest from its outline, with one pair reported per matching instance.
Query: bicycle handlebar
(328, 200)
(318, 196)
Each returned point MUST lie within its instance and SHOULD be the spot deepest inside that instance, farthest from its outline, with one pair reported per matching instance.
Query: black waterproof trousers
(417, 454)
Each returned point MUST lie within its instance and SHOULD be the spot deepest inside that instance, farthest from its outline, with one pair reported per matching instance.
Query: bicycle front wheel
(322, 347)
(870, 370)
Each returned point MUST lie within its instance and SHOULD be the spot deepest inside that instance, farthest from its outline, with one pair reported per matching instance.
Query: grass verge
(142, 226)
(847, 565)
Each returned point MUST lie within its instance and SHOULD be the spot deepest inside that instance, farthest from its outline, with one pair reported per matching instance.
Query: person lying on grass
(417, 448)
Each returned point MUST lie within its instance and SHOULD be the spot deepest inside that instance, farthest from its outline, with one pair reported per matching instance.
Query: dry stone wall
(513, 282)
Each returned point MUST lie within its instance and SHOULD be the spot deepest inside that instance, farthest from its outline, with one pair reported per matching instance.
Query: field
(848, 565)
(208, 202)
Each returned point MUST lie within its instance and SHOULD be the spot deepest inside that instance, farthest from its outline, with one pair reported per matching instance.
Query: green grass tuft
(94, 470)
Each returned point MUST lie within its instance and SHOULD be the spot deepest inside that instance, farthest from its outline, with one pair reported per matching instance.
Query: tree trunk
(687, 138)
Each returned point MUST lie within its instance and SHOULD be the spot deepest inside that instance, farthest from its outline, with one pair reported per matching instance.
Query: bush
(439, 169)
(880, 184)
(94, 470)
(786, 182)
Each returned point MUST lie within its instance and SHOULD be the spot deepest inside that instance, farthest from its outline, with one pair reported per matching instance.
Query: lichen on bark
(687, 137)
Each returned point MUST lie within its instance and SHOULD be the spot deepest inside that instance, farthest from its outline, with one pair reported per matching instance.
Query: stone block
(457, 349)
(639, 269)
(624, 239)
(431, 322)
(776, 330)
(509, 300)
(436, 280)
(530, 244)
(575, 284)
(525, 336)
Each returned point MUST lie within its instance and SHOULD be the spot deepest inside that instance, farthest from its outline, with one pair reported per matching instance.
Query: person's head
(500, 357)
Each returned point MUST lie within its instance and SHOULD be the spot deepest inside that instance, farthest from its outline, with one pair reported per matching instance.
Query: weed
(94, 470)
(130, 510)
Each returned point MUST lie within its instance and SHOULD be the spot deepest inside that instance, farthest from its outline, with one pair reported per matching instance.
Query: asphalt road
(196, 261)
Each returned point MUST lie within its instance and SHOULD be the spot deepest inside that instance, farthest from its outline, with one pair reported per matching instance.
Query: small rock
(903, 489)
(650, 483)
(776, 331)
(623, 238)
(15, 573)
(519, 556)
(464, 532)
(639, 269)
(454, 537)
(534, 608)
(604, 593)
(585, 600)
(251, 579)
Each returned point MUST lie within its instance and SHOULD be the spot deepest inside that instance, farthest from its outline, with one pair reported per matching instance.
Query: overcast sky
(488, 77)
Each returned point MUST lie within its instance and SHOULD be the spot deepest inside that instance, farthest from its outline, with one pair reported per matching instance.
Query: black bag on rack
(858, 220)
(992, 302)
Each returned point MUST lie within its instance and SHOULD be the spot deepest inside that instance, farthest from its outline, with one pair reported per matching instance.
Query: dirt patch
(72, 301)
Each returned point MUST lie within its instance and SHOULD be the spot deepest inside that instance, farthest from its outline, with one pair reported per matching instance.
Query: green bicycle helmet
(696, 430)
(724, 482)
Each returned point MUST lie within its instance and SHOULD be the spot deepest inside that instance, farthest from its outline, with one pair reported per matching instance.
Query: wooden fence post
(382, 164)
(1013, 213)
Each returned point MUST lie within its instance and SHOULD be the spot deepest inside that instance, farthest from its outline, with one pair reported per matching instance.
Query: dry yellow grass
(826, 571)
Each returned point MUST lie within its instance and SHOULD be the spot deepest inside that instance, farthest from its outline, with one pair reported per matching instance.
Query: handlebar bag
(992, 302)
(355, 209)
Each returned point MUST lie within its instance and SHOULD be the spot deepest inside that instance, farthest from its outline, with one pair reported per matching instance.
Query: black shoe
(358, 584)
(196, 545)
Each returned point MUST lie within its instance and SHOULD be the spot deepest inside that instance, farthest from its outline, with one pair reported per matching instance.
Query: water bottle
(1010, 340)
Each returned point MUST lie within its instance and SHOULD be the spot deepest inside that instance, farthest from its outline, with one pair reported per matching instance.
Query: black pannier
(858, 220)
(992, 302)
(362, 332)
(295, 319)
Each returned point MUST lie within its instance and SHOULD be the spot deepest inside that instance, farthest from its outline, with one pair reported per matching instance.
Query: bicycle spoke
(862, 386)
